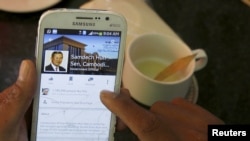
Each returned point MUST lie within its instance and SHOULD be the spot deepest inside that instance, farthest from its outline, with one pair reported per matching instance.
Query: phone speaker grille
(85, 18)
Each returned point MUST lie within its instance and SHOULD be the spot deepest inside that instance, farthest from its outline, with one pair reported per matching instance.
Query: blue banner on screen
(82, 51)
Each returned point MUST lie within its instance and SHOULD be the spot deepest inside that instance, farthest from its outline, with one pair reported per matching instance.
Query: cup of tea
(149, 54)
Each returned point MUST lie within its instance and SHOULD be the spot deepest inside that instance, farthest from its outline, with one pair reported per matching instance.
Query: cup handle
(200, 59)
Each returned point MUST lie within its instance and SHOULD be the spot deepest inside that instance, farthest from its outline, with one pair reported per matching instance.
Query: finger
(23, 136)
(185, 133)
(120, 125)
(18, 97)
(27, 82)
(139, 120)
(193, 108)
(175, 115)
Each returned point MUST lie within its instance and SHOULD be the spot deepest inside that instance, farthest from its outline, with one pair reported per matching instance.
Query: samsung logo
(83, 24)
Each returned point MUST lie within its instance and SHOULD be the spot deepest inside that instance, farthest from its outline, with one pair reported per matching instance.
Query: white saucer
(25, 6)
(193, 92)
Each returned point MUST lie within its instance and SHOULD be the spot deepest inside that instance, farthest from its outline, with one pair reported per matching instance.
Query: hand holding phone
(79, 53)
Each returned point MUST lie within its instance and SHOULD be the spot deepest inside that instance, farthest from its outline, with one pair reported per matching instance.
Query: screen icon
(71, 78)
(91, 33)
(91, 79)
(48, 31)
(84, 32)
(54, 31)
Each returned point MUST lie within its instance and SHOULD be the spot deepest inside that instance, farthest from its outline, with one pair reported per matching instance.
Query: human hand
(178, 120)
(15, 101)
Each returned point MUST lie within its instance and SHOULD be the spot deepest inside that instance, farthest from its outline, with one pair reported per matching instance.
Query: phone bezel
(62, 18)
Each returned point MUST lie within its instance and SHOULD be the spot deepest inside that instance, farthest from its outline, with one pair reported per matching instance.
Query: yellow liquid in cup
(151, 68)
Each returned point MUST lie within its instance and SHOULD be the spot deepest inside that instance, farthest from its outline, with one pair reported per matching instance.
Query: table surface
(220, 27)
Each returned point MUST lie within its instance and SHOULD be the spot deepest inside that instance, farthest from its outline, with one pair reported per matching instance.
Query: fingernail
(105, 94)
(23, 71)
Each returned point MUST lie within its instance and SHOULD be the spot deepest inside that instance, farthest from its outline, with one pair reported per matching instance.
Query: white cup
(146, 56)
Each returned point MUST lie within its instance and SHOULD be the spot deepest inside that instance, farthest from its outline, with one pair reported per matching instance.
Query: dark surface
(220, 27)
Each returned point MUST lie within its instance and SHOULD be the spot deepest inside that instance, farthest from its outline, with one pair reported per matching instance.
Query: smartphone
(79, 53)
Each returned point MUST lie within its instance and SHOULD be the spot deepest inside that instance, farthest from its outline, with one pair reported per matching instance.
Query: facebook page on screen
(77, 65)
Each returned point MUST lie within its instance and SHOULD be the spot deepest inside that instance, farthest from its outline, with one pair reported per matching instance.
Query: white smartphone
(79, 53)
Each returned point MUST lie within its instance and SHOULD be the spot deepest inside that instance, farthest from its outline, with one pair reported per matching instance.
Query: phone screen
(76, 66)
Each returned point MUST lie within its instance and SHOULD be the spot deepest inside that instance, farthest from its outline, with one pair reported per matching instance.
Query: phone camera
(107, 18)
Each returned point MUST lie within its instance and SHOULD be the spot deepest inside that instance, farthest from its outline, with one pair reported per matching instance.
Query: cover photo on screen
(80, 54)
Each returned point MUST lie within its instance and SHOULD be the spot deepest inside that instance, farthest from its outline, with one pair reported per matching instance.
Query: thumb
(138, 119)
(15, 100)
